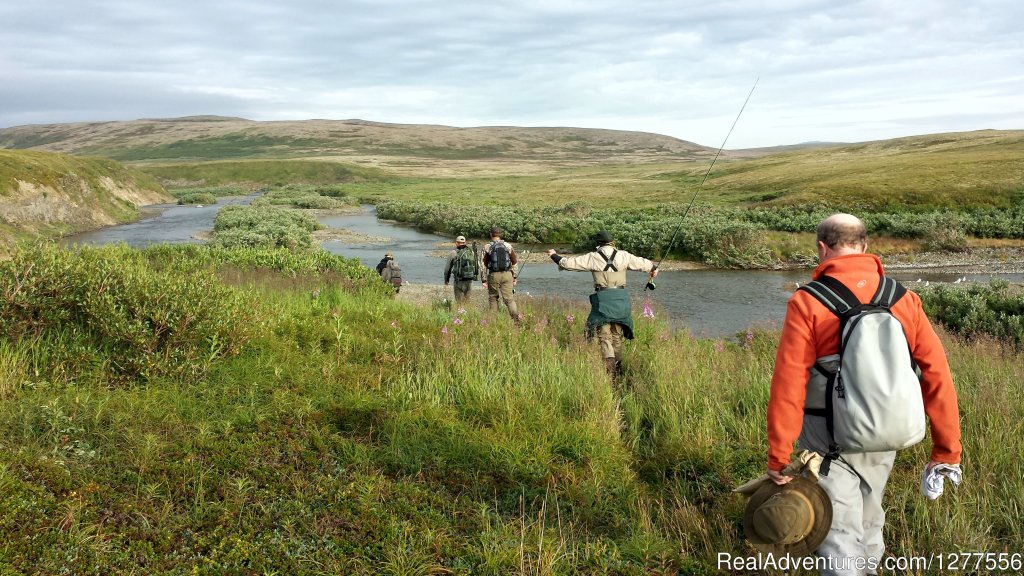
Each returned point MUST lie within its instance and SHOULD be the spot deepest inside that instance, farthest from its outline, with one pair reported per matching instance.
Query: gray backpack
(392, 273)
(873, 400)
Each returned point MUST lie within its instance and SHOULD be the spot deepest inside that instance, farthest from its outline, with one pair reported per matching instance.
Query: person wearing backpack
(462, 263)
(500, 263)
(390, 272)
(610, 317)
(814, 405)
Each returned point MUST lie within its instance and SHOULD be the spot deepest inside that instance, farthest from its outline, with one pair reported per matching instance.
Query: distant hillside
(218, 138)
(759, 152)
(955, 170)
(549, 165)
(48, 194)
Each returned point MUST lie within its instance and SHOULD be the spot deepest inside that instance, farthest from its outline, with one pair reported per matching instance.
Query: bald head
(843, 231)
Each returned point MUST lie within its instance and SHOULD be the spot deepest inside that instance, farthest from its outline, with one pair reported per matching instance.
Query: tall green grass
(355, 434)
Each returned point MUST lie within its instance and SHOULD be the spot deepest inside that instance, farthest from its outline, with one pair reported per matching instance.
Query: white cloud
(846, 71)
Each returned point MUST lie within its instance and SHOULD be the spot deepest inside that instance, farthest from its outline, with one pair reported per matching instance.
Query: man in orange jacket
(855, 483)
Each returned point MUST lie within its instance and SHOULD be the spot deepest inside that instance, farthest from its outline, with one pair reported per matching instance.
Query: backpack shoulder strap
(609, 260)
(889, 292)
(832, 294)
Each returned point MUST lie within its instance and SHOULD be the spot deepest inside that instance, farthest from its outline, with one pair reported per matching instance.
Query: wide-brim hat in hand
(788, 520)
(792, 519)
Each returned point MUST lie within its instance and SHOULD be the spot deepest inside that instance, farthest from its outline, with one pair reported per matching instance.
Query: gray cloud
(829, 71)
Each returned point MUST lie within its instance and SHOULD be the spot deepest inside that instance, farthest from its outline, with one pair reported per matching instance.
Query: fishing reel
(650, 285)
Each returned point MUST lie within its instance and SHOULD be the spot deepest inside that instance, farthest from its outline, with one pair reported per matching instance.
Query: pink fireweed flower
(460, 311)
(457, 321)
(570, 318)
(444, 330)
(648, 311)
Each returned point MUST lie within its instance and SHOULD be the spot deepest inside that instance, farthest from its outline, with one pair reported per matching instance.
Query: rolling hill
(550, 165)
(219, 138)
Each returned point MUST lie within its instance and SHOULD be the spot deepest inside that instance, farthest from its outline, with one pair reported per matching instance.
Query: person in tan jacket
(810, 331)
(610, 317)
(500, 261)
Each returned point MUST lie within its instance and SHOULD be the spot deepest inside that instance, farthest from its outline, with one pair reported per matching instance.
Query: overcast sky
(830, 70)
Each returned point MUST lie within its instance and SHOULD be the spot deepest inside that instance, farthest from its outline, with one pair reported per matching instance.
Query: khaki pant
(857, 513)
(461, 288)
(609, 337)
(499, 284)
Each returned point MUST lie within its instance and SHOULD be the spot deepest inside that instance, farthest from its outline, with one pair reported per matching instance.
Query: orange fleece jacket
(810, 331)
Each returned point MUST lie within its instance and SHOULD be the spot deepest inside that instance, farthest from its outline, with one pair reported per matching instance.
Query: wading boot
(609, 367)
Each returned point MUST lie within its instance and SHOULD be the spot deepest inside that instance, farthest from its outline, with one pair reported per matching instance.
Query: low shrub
(106, 310)
(276, 260)
(994, 309)
(263, 227)
(307, 197)
(722, 237)
(945, 234)
(203, 198)
(215, 191)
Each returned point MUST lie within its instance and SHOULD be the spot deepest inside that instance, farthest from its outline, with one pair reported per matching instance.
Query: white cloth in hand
(932, 479)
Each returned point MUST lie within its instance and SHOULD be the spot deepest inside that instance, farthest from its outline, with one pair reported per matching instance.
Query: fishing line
(651, 285)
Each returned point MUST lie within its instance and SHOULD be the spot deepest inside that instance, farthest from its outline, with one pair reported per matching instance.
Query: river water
(713, 303)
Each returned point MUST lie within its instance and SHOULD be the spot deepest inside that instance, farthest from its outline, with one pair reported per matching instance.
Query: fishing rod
(650, 284)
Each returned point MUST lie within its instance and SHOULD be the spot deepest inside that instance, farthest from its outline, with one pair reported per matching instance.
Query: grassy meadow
(203, 410)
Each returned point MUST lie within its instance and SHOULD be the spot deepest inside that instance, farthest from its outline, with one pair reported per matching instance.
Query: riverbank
(990, 260)
(438, 294)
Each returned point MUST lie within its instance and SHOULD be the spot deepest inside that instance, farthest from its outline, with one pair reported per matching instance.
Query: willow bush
(263, 227)
(307, 196)
(201, 198)
(995, 309)
(722, 237)
(107, 311)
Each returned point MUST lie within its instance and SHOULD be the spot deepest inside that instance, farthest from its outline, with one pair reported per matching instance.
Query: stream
(711, 303)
